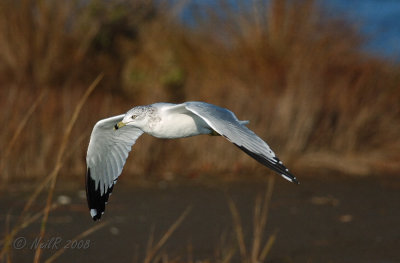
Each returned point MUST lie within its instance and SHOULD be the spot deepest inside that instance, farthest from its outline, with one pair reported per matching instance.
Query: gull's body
(173, 124)
(112, 139)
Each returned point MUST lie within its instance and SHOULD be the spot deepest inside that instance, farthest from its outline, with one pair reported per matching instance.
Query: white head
(137, 117)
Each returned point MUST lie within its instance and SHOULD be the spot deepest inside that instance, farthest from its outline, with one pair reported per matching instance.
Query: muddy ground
(327, 218)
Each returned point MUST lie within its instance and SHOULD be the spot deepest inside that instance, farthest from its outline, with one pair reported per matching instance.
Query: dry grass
(258, 250)
(17, 134)
(298, 75)
(60, 159)
(152, 251)
(78, 237)
(50, 181)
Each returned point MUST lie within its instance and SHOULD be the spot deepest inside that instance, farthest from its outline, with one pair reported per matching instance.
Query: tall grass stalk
(258, 251)
(237, 223)
(78, 237)
(23, 222)
(15, 137)
(261, 209)
(50, 179)
(59, 161)
(152, 251)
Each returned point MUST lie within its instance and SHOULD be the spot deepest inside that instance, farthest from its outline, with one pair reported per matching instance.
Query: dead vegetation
(298, 75)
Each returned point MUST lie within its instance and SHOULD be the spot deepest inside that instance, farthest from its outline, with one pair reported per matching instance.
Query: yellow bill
(119, 125)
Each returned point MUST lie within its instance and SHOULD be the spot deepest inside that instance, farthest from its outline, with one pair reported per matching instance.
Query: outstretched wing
(106, 156)
(226, 123)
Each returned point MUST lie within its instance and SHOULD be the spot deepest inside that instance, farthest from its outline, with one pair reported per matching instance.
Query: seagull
(112, 139)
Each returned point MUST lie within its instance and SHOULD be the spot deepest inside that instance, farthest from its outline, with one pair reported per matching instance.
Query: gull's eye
(134, 117)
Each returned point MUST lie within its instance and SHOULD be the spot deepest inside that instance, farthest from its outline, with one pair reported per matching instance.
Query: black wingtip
(275, 165)
(96, 201)
(280, 168)
(295, 181)
(287, 175)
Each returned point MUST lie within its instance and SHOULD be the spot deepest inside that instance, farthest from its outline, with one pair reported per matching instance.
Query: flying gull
(112, 139)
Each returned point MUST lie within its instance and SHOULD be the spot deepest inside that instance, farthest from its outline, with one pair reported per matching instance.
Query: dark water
(326, 218)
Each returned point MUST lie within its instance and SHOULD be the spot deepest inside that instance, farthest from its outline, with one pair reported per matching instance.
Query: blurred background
(318, 80)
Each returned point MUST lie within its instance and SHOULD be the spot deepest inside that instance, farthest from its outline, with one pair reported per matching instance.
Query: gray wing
(225, 122)
(106, 156)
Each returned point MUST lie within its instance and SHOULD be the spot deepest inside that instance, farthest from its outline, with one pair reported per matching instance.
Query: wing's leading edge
(106, 156)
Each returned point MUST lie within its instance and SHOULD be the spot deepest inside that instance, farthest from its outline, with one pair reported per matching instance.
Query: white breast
(179, 125)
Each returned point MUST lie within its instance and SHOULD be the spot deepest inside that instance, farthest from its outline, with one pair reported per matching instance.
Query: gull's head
(136, 117)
